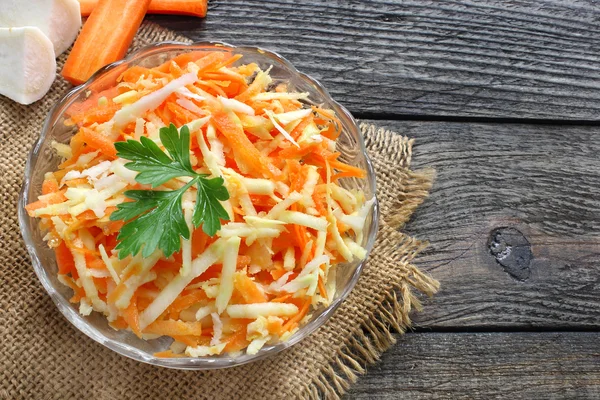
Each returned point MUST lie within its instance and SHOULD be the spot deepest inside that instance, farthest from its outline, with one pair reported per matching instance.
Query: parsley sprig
(154, 219)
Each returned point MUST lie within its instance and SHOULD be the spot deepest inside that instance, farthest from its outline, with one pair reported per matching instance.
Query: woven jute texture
(43, 357)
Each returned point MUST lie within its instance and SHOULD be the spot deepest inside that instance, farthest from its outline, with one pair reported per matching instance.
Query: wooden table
(503, 98)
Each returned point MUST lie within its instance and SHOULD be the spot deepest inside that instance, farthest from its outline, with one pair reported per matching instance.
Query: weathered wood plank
(485, 366)
(516, 59)
(542, 181)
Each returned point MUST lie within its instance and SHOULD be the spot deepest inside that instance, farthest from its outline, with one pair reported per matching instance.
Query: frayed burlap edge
(376, 334)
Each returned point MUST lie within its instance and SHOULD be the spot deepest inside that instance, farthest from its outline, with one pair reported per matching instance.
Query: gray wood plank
(485, 366)
(541, 185)
(511, 59)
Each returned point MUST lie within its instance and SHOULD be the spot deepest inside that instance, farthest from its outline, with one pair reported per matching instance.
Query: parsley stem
(190, 183)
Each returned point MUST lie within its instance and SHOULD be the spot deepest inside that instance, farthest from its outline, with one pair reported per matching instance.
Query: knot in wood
(512, 251)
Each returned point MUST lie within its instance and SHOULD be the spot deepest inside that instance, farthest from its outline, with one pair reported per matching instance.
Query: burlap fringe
(374, 337)
(376, 334)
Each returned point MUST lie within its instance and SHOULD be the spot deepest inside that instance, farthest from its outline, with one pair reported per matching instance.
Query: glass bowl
(43, 159)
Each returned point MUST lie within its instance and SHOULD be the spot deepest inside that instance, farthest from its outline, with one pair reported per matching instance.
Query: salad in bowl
(199, 205)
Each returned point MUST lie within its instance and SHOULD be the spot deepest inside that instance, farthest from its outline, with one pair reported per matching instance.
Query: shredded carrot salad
(257, 280)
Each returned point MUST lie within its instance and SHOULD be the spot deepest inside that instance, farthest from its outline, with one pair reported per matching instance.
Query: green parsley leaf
(160, 227)
(154, 219)
(153, 165)
(209, 211)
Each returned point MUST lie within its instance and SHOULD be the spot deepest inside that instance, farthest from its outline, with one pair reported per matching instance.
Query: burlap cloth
(42, 356)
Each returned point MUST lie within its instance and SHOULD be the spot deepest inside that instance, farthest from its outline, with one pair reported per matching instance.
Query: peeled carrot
(322, 289)
(99, 142)
(248, 289)
(50, 185)
(91, 102)
(237, 341)
(184, 302)
(194, 8)
(174, 327)
(64, 259)
(252, 159)
(298, 317)
(134, 73)
(183, 59)
(105, 37)
(132, 317)
(282, 299)
(53, 198)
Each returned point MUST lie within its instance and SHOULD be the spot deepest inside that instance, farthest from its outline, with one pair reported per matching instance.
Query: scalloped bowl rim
(188, 363)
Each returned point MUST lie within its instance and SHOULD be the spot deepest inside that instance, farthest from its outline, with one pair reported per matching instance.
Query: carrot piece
(98, 114)
(348, 170)
(320, 202)
(296, 318)
(64, 259)
(299, 232)
(87, 6)
(297, 131)
(298, 152)
(322, 289)
(94, 262)
(166, 265)
(105, 37)
(182, 115)
(247, 155)
(262, 200)
(212, 88)
(133, 74)
(334, 129)
(183, 302)
(237, 341)
(278, 273)
(100, 142)
(209, 60)
(132, 316)
(91, 102)
(199, 242)
(50, 185)
(194, 8)
(182, 60)
(248, 289)
(167, 354)
(172, 327)
(77, 182)
(77, 148)
(228, 61)
(214, 271)
(282, 299)
(164, 114)
(119, 323)
(263, 276)
(274, 326)
(53, 198)
(243, 261)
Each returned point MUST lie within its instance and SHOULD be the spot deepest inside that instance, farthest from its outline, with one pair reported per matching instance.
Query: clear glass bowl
(43, 159)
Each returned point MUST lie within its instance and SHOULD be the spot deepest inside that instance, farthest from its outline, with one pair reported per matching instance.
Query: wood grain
(510, 59)
(542, 181)
(485, 366)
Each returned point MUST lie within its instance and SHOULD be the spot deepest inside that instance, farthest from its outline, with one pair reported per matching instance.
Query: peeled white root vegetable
(60, 20)
(27, 64)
